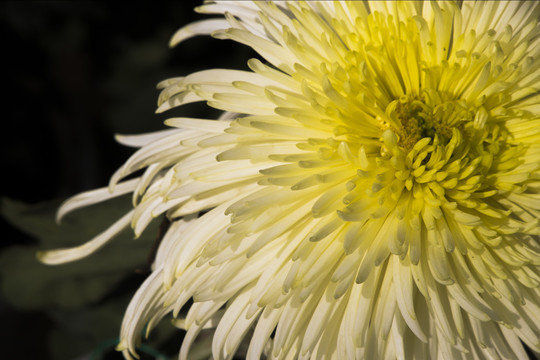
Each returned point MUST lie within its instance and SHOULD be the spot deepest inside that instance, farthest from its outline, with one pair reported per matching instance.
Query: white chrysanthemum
(373, 190)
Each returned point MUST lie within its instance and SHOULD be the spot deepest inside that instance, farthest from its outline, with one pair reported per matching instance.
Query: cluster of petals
(372, 190)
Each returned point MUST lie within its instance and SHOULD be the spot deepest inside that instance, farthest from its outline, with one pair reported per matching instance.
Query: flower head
(372, 190)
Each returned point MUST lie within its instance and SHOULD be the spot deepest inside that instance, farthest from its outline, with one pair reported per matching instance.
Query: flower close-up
(371, 191)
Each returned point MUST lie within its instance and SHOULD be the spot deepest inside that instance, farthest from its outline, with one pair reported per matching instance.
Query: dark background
(80, 71)
(76, 73)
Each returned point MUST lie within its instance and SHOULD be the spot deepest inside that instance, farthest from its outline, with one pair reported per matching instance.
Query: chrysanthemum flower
(372, 190)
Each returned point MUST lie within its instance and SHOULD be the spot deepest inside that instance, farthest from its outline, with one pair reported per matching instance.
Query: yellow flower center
(414, 117)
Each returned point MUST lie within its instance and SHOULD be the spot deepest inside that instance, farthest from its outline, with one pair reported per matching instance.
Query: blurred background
(77, 73)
